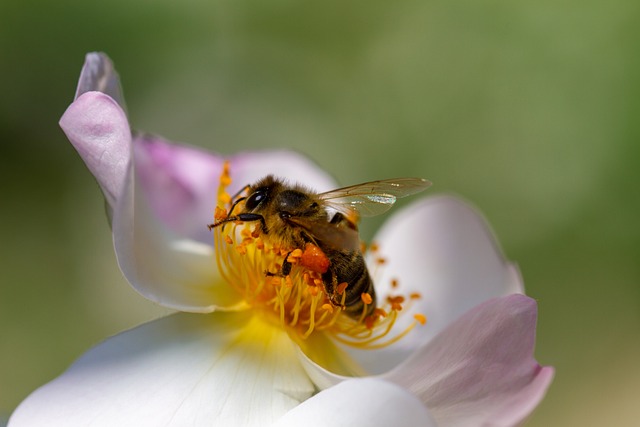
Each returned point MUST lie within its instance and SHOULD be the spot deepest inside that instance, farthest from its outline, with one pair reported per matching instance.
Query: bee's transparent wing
(332, 235)
(373, 198)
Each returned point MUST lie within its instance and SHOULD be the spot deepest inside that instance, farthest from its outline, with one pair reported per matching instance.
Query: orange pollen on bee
(252, 263)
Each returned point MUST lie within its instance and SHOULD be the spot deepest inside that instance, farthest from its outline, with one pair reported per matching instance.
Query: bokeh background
(530, 110)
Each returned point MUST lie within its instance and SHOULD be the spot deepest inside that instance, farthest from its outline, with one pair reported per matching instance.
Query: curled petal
(158, 263)
(443, 250)
(98, 129)
(480, 370)
(224, 369)
(99, 75)
(360, 402)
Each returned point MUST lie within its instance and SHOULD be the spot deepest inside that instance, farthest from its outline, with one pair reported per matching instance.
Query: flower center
(251, 262)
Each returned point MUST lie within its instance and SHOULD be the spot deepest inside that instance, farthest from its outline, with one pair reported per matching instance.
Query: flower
(221, 361)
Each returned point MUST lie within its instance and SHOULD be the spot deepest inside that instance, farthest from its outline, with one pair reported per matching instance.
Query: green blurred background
(527, 109)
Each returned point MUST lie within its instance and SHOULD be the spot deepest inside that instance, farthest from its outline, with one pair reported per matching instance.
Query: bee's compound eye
(255, 199)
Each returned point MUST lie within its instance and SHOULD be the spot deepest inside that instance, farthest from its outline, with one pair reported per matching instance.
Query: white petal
(480, 370)
(443, 249)
(222, 369)
(360, 402)
(179, 274)
(248, 167)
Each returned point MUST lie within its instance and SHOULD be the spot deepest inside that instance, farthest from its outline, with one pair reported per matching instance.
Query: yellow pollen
(252, 263)
(276, 281)
(341, 288)
(225, 180)
(380, 312)
(296, 253)
(219, 213)
(225, 197)
(366, 298)
(327, 307)
(420, 318)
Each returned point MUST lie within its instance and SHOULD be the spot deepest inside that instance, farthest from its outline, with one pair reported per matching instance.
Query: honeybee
(323, 225)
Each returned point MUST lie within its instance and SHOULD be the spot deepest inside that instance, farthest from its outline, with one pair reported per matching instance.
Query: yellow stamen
(252, 264)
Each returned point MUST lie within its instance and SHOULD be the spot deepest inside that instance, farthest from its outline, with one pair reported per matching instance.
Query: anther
(420, 318)
(341, 288)
(366, 298)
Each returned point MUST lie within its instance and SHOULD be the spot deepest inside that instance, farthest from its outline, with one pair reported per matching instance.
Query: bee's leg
(285, 270)
(242, 190)
(330, 279)
(233, 206)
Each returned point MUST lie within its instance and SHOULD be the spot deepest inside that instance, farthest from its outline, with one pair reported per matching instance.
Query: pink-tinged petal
(98, 129)
(179, 274)
(480, 370)
(248, 167)
(360, 403)
(98, 74)
(181, 183)
(161, 265)
(223, 369)
(441, 248)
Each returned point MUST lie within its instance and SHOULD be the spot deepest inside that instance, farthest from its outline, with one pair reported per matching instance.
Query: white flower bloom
(224, 360)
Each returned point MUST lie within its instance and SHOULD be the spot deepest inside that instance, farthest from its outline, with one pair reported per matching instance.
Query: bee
(324, 226)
